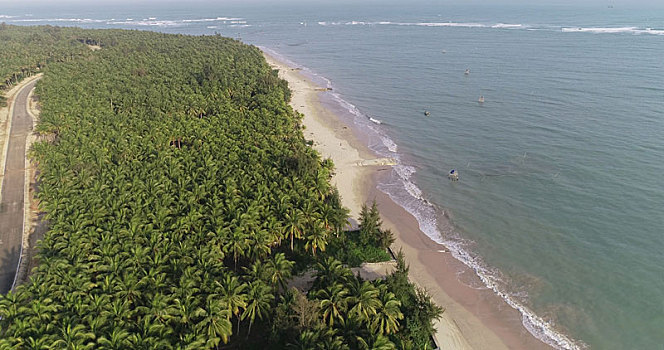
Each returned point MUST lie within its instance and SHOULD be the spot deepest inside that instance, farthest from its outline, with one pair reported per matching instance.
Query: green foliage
(28, 50)
(360, 314)
(181, 196)
(368, 244)
(417, 306)
(176, 183)
(371, 232)
(348, 249)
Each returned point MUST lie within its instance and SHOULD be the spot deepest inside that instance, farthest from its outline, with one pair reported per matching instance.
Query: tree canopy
(178, 190)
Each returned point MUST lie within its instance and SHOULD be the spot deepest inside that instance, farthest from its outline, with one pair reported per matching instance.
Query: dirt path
(13, 188)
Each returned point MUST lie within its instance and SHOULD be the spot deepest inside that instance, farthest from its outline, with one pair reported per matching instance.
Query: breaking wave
(598, 30)
(149, 21)
(613, 30)
(427, 24)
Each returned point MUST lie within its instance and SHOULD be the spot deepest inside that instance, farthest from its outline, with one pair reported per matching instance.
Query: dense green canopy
(178, 190)
(26, 50)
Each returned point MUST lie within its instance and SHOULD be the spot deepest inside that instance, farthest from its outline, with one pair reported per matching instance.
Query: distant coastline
(498, 326)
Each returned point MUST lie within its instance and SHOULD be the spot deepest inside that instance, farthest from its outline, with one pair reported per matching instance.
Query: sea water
(561, 192)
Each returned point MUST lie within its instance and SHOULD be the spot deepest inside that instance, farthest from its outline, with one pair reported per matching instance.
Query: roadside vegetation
(26, 50)
(180, 193)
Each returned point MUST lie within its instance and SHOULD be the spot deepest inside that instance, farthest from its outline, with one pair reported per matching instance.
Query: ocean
(559, 206)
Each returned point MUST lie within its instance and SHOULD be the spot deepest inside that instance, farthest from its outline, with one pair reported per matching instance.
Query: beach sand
(473, 318)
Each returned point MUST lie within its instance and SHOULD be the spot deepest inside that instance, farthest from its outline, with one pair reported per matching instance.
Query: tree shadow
(8, 264)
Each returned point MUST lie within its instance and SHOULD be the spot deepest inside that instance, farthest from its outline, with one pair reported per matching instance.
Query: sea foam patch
(73, 20)
(143, 21)
(426, 24)
(613, 30)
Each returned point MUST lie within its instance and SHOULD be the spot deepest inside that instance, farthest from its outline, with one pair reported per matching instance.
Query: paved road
(11, 206)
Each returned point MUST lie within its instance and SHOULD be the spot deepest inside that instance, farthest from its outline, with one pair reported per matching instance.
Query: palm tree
(317, 238)
(333, 303)
(75, 338)
(233, 295)
(188, 312)
(259, 245)
(117, 340)
(259, 301)
(386, 320)
(307, 340)
(40, 343)
(294, 221)
(11, 305)
(216, 324)
(279, 270)
(376, 342)
(329, 272)
(237, 243)
(331, 341)
(365, 301)
(140, 232)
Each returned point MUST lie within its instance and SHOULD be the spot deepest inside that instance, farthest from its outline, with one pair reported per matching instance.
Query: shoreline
(474, 319)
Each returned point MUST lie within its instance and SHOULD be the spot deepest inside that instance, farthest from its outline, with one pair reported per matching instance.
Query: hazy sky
(53, 3)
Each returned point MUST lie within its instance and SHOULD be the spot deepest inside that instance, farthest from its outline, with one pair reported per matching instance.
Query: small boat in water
(426, 113)
(467, 72)
(375, 121)
(481, 99)
(453, 175)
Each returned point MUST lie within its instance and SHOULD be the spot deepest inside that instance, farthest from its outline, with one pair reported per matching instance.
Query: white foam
(447, 24)
(608, 30)
(428, 24)
(74, 20)
(389, 143)
(613, 30)
(424, 212)
(7, 16)
(199, 20)
(148, 23)
(507, 26)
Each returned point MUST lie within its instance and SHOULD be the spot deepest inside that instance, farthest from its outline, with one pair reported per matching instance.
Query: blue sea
(560, 203)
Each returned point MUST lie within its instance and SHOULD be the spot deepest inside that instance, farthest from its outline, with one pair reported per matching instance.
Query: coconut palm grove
(181, 199)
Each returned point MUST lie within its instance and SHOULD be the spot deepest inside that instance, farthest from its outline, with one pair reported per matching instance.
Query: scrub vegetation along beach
(181, 196)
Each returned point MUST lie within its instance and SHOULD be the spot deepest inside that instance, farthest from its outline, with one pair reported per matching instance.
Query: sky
(234, 2)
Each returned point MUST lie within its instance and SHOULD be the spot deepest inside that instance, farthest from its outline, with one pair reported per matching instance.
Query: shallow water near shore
(559, 201)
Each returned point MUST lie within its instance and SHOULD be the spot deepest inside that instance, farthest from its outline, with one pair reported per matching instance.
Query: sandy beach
(473, 318)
